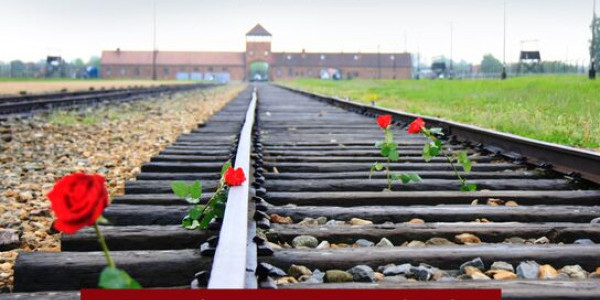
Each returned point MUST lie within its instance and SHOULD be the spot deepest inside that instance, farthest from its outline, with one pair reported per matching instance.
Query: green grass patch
(557, 109)
(73, 118)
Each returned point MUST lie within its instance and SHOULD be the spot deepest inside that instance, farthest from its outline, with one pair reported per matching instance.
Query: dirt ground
(36, 87)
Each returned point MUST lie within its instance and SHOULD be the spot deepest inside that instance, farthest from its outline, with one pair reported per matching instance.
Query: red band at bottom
(299, 294)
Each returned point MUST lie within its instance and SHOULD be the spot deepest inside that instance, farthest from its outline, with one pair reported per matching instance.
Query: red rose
(78, 200)
(234, 177)
(384, 121)
(415, 126)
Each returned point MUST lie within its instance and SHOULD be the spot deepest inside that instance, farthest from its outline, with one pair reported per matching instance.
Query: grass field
(557, 109)
(11, 86)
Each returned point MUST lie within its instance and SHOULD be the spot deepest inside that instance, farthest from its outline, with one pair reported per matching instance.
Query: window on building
(355, 74)
(108, 71)
(322, 57)
(224, 69)
(290, 72)
(289, 57)
(210, 69)
(122, 71)
(392, 57)
(250, 53)
(136, 71)
(196, 69)
(166, 71)
(266, 53)
(279, 72)
(356, 57)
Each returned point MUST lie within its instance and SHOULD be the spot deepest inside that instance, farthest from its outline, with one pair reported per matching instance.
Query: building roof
(346, 60)
(119, 57)
(258, 30)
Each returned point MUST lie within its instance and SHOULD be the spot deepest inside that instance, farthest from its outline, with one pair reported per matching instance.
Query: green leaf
(377, 166)
(187, 221)
(436, 130)
(387, 148)
(471, 187)
(464, 160)
(426, 152)
(225, 166)
(220, 209)
(191, 200)
(393, 155)
(196, 190)
(435, 147)
(195, 224)
(102, 221)
(220, 197)
(405, 178)
(113, 278)
(180, 188)
(415, 177)
(196, 212)
(208, 216)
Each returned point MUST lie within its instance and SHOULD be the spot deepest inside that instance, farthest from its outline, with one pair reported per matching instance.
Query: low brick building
(256, 63)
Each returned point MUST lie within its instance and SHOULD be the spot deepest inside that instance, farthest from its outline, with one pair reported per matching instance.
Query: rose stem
(387, 166)
(433, 138)
(102, 242)
(462, 181)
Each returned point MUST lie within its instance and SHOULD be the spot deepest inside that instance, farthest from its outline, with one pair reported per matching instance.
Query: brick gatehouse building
(257, 62)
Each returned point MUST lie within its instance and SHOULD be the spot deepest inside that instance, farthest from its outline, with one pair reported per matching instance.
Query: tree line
(71, 69)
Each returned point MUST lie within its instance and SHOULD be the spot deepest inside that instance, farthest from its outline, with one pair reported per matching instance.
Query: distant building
(256, 63)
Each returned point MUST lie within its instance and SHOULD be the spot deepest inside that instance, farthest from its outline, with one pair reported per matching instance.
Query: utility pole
(593, 49)
(503, 75)
(154, 50)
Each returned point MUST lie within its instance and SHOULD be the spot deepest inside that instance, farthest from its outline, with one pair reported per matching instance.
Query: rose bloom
(384, 121)
(77, 201)
(234, 177)
(415, 126)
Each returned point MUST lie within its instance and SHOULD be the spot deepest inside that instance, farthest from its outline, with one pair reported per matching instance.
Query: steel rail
(231, 255)
(570, 161)
(95, 92)
(27, 104)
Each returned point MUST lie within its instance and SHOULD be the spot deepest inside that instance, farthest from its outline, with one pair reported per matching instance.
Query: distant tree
(94, 62)
(78, 63)
(490, 64)
(17, 68)
(558, 67)
(595, 41)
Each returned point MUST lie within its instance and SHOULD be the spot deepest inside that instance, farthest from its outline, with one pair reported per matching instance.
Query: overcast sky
(32, 29)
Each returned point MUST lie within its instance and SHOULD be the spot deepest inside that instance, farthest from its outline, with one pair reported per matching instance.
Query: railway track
(311, 160)
(24, 104)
